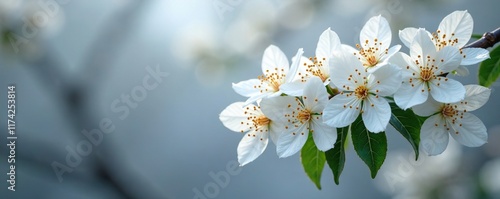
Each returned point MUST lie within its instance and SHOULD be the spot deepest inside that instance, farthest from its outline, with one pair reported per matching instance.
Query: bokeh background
(74, 62)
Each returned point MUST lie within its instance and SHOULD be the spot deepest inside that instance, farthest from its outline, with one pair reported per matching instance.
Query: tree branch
(489, 39)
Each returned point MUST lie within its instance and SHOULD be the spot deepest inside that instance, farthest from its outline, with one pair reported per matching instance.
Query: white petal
(341, 111)
(302, 74)
(406, 36)
(422, 46)
(347, 49)
(315, 95)
(249, 87)
(295, 88)
(274, 61)
(376, 114)
(376, 28)
(434, 139)
(474, 55)
(253, 88)
(448, 59)
(235, 116)
(343, 65)
(277, 108)
(457, 25)
(408, 67)
(408, 96)
(475, 97)
(428, 108)
(291, 141)
(323, 135)
(384, 57)
(294, 68)
(446, 90)
(328, 43)
(276, 128)
(472, 133)
(393, 50)
(251, 146)
(386, 80)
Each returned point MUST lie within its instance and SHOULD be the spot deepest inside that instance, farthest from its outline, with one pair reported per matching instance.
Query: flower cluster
(312, 97)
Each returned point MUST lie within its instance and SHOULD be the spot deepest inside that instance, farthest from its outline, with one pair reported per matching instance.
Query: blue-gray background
(91, 52)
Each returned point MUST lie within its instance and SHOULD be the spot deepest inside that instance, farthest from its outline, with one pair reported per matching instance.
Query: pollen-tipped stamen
(361, 92)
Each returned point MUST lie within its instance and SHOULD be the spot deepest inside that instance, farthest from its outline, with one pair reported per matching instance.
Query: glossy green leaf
(313, 161)
(370, 147)
(336, 157)
(408, 124)
(489, 69)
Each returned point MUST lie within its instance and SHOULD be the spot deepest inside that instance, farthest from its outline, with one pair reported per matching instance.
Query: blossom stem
(331, 91)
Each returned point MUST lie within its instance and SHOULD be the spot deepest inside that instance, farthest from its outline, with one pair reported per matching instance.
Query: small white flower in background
(454, 30)
(455, 119)
(277, 72)
(318, 66)
(240, 118)
(361, 92)
(299, 117)
(375, 39)
(421, 72)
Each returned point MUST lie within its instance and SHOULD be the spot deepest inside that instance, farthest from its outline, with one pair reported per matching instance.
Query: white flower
(361, 92)
(276, 72)
(454, 30)
(455, 119)
(422, 70)
(299, 117)
(375, 39)
(240, 118)
(318, 66)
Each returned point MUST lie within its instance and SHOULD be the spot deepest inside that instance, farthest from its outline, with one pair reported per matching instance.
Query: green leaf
(336, 157)
(313, 161)
(370, 147)
(408, 124)
(489, 69)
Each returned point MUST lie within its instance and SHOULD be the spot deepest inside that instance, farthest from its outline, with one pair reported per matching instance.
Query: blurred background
(155, 75)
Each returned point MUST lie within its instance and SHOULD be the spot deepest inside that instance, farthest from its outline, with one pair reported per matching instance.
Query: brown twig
(489, 39)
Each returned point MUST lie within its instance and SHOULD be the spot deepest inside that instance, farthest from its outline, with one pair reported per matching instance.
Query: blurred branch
(75, 95)
(489, 39)
(105, 48)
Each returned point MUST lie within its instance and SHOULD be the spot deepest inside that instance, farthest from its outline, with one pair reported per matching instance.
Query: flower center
(372, 61)
(361, 92)
(304, 116)
(273, 78)
(370, 52)
(448, 111)
(261, 121)
(426, 74)
(316, 68)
